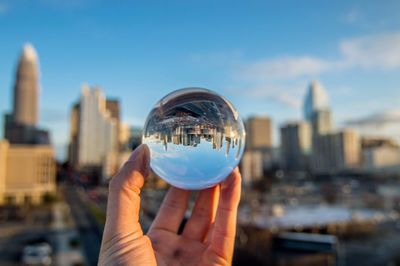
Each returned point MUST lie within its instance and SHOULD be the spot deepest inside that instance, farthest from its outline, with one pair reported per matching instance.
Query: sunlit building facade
(251, 167)
(27, 164)
(20, 125)
(27, 173)
(337, 152)
(93, 129)
(259, 133)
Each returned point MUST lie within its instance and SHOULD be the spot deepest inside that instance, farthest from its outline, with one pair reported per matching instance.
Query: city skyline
(261, 74)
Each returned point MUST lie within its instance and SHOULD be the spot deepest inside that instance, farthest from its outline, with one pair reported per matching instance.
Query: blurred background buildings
(316, 86)
(26, 155)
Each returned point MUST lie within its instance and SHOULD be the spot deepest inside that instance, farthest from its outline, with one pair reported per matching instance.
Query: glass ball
(196, 138)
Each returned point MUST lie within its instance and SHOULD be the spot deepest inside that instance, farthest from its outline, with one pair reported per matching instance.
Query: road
(89, 233)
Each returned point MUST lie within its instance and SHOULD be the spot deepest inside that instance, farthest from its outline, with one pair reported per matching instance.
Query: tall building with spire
(27, 165)
(21, 124)
(315, 100)
(332, 151)
(26, 88)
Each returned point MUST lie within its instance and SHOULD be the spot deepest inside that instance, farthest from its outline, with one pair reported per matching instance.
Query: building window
(28, 200)
(10, 200)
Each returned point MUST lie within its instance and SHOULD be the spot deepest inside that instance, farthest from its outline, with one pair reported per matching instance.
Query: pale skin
(207, 239)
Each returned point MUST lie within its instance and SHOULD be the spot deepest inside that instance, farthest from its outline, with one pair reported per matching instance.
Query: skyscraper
(26, 157)
(317, 113)
(93, 129)
(26, 88)
(295, 146)
(336, 152)
(259, 133)
(21, 124)
(321, 122)
(27, 173)
(259, 140)
(73, 147)
(251, 167)
(315, 100)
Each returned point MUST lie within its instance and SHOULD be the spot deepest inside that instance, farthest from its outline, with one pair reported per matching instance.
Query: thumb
(124, 195)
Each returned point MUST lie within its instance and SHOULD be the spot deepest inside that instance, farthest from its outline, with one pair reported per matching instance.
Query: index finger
(123, 198)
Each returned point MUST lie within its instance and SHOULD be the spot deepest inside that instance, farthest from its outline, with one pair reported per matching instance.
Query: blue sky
(259, 54)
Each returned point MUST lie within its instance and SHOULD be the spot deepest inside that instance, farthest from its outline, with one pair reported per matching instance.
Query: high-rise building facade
(27, 165)
(27, 173)
(317, 113)
(321, 122)
(93, 129)
(259, 133)
(97, 128)
(316, 99)
(73, 146)
(21, 124)
(295, 146)
(251, 167)
(26, 88)
(337, 152)
(380, 154)
(259, 139)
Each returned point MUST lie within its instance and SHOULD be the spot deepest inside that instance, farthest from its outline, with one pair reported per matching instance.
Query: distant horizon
(261, 56)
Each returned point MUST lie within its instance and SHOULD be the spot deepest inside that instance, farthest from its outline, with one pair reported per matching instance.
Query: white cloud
(380, 51)
(291, 95)
(285, 68)
(387, 116)
(377, 51)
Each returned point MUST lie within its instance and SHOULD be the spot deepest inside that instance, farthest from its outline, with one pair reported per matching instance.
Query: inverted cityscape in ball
(196, 138)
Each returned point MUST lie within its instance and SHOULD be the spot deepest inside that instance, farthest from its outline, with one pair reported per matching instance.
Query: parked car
(37, 254)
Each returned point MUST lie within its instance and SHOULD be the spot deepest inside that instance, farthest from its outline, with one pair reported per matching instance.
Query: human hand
(207, 239)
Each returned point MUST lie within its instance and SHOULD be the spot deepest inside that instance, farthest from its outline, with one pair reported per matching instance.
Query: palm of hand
(172, 249)
(207, 238)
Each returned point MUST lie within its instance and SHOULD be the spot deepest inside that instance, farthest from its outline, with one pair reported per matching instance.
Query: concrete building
(251, 167)
(321, 122)
(93, 130)
(259, 133)
(26, 88)
(379, 154)
(124, 136)
(316, 99)
(336, 152)
(27, 166)
(27, 173)
(317, 113)
(20, 126)
(375, 158)
(378, 125)
(295, 146)
(259, 138)
(73, 146)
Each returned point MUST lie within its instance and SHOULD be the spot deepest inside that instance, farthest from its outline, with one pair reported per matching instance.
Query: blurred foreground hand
(207, 239)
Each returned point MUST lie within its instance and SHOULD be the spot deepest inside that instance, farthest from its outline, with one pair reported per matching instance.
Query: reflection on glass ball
(196, 138)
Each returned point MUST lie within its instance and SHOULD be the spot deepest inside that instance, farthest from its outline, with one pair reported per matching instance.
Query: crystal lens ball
(196, 138)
